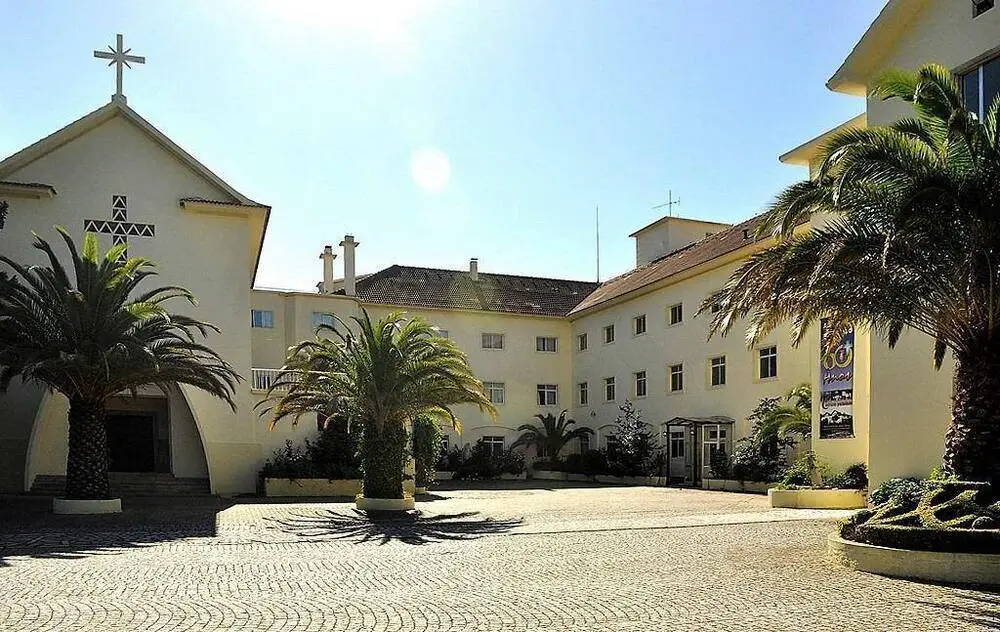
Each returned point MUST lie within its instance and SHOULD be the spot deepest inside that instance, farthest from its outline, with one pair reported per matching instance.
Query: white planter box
(728, 485)
(318, 487)
(935, 566)
(818, 498)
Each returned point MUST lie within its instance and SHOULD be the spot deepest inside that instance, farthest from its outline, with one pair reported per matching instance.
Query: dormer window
(980, 7)
(746, 233)
(980, 86)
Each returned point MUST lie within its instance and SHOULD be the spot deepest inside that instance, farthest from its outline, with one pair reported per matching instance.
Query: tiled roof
(428, 287)
(711, 247)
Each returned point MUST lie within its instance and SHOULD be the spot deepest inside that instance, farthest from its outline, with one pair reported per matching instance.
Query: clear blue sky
(542, 109)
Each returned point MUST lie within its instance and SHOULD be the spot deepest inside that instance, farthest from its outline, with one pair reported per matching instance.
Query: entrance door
(680, 454)
(138, 442)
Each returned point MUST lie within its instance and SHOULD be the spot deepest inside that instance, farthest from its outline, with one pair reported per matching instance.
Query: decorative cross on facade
(119, 227)
(119, 57)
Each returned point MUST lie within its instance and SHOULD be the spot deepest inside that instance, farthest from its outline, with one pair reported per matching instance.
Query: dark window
(980, 7)
(768, 362)
(980, 86)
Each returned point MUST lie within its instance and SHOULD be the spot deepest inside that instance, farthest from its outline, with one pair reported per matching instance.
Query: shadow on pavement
(29, 528)
(982, 610)
(412, 527)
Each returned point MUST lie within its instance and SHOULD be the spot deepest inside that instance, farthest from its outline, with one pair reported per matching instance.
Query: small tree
(552, 436)
(790, 419)
(634, 451)
(426, 449)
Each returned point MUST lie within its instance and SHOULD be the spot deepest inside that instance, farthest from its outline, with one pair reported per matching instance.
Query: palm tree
(382, 376)
(911, 241)
(794, 417)
(94, 336)
(552, 436)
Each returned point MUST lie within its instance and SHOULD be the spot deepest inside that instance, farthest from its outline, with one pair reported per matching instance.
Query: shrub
(590, 462)
(904, 490)
(802, 472)
(450, 460)
(289, 462)
(758, 459)
(551, 465)
(426, 447)
(634, 452)
(720, 465)
(854, 477)
(482, 464)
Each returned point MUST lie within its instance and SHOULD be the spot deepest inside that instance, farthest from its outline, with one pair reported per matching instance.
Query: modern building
(540, 345)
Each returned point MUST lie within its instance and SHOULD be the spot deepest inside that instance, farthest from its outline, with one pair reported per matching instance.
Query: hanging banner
(836, 394)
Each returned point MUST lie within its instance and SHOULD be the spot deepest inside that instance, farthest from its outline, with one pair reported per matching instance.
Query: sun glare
(430, 169)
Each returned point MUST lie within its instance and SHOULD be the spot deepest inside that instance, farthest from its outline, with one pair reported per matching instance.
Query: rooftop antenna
(669, 204)
(597, 233)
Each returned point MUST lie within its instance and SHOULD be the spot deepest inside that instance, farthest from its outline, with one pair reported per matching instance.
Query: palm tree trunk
(382, 460)
(87, 461)
(973, 440)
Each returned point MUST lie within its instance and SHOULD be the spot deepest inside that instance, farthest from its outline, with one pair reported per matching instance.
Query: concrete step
(131, 484)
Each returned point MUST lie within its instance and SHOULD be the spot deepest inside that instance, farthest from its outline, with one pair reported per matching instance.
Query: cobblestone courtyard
(572, 558)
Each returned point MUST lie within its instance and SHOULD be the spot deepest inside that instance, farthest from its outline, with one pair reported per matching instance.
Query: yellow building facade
(541, 345)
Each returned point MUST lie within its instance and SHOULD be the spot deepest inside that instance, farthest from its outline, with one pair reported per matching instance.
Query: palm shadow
(29, 529)
(982, 610)
(411, 527)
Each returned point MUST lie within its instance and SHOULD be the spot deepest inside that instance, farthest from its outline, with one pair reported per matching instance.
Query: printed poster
(836, 396)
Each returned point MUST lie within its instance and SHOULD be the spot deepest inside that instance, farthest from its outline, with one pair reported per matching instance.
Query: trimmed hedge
(923, 539)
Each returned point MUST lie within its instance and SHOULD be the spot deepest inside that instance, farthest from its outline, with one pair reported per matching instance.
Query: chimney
(350, 280)
(326, 287)
(474, 269)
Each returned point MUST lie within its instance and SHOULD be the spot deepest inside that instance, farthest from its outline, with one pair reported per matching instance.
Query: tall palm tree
(552, 436)
(911, 240)
(794, 417)
(92, 336)
(382, 375)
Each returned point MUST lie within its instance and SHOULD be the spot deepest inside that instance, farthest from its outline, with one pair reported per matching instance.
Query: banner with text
(836, 395)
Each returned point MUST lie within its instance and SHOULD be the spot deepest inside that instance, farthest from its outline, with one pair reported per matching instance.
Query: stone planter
(729, 485)
(444, 476)
(65, 506)
(934, 566)
(318, 487)
(818, 498)
(385, 504)
(552, 475)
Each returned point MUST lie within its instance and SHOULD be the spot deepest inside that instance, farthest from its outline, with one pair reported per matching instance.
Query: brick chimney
(350, 278)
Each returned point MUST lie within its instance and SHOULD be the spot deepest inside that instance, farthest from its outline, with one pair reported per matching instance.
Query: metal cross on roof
(119, 57)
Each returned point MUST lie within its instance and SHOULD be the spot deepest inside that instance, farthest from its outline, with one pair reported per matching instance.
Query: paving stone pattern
(567, 559)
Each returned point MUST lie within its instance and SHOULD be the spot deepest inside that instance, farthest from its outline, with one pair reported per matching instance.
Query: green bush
(904, 490)
(854, 477)
(289, 462)
(332, 455)
(720, 465)
(802, 472)
(590, 463)
(482, 464)
(925, 539)
(426, 448)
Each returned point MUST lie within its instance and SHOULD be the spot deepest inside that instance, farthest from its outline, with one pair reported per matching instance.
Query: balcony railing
(262, 379)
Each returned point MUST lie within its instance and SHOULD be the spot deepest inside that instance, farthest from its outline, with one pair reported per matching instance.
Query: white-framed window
(980, 86)
(547, 344)
(609, 389)
(676, 378)
(717, 368)
(584, 443)
(609, 334)
(639, 325)
(768, 362)
(583, 393)
(548, 394)
(261, 319)
(322, 318)
(640, 383)
(581, 342)
(495, 445)
(675, 314)
(677, 444)
(496, 391)
(492, 341)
